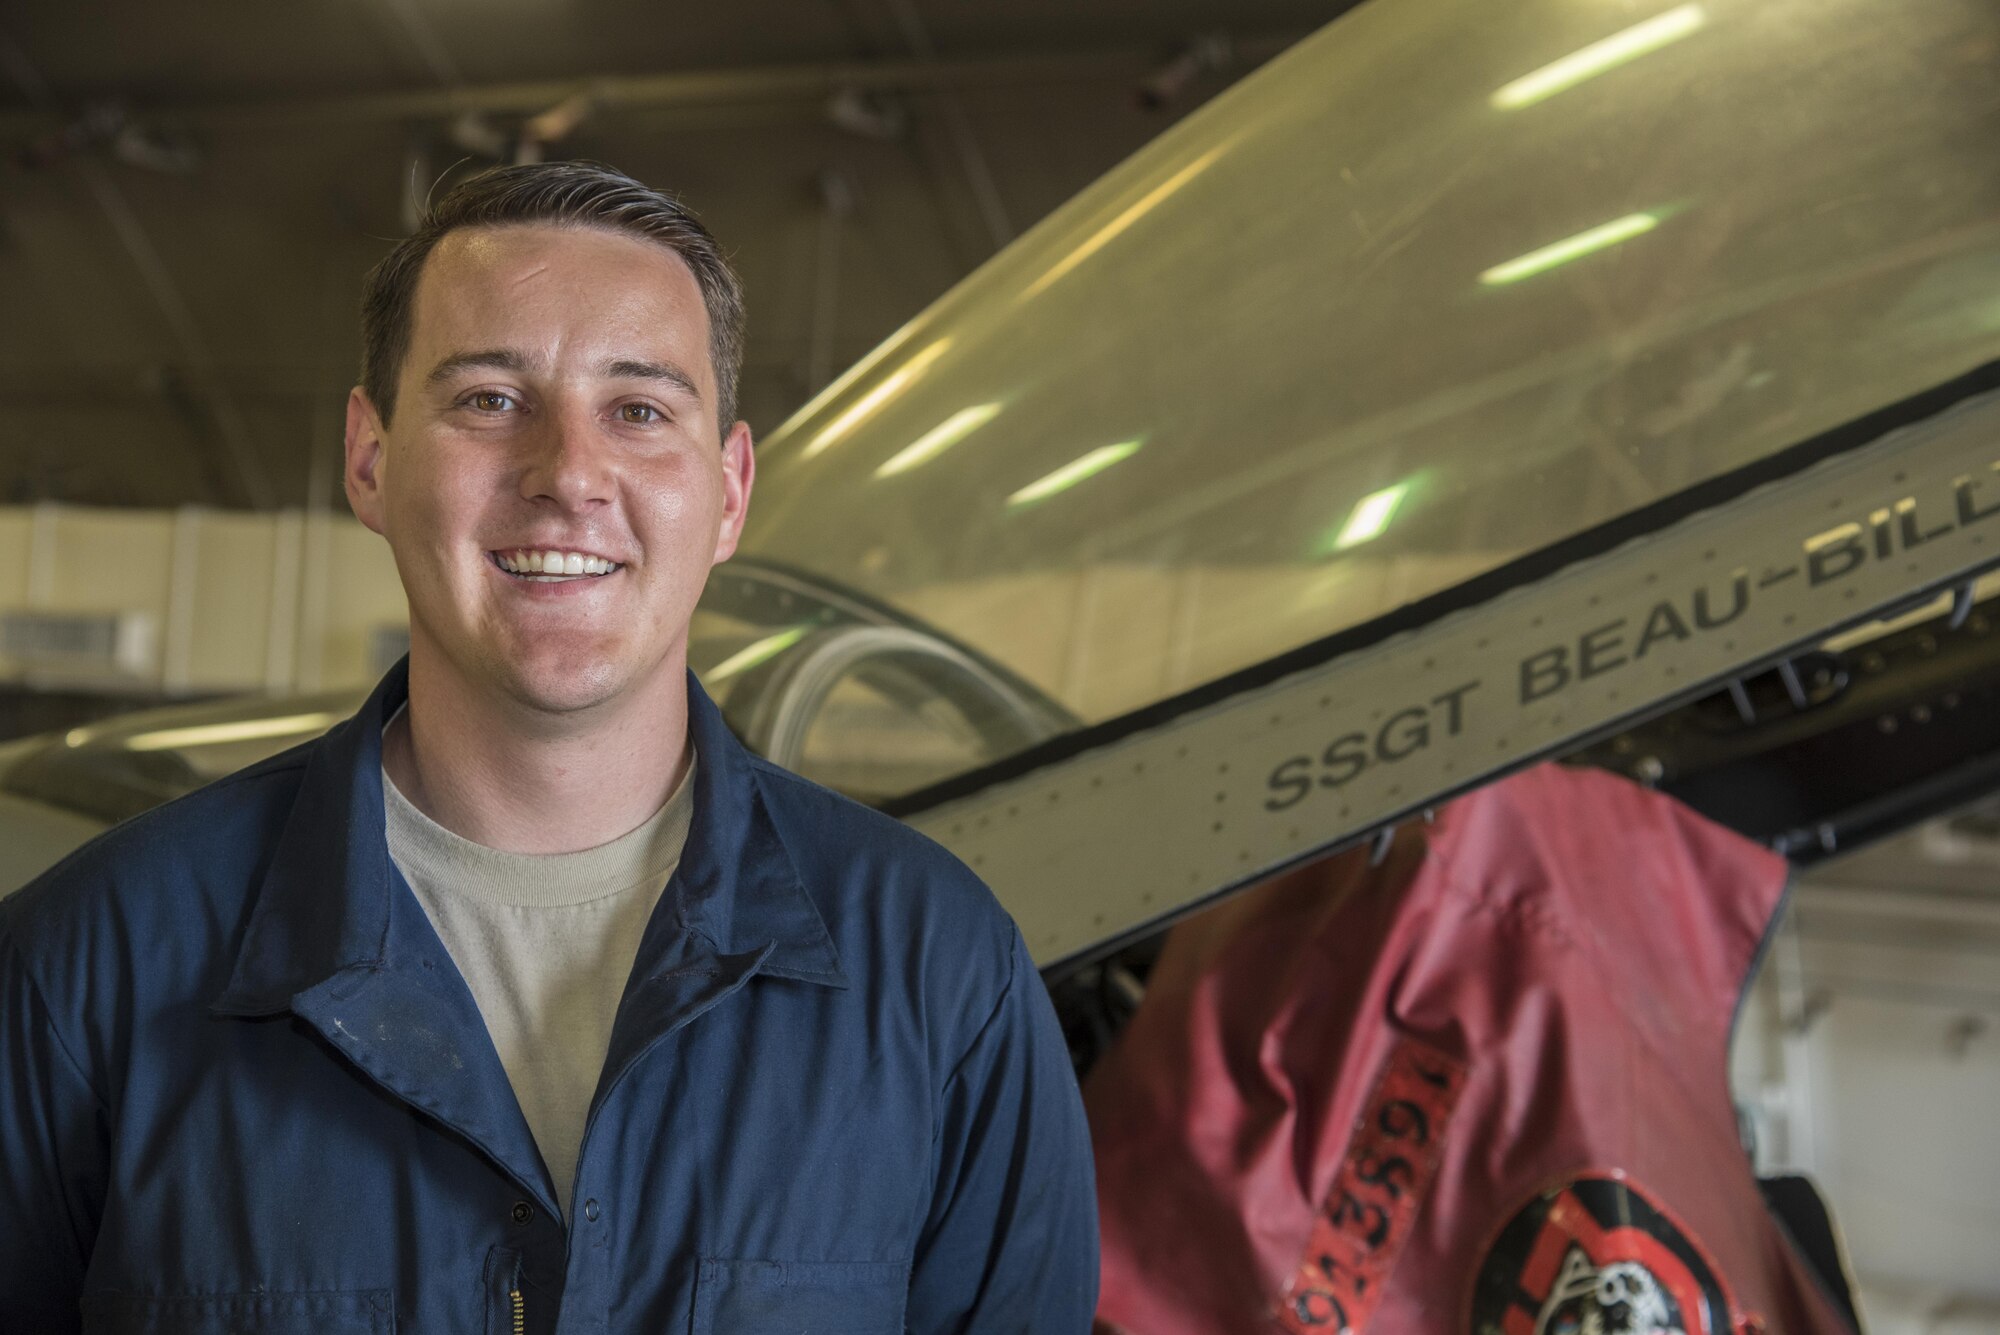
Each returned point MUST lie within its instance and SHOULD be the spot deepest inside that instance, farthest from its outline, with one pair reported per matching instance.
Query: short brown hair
(568, 194)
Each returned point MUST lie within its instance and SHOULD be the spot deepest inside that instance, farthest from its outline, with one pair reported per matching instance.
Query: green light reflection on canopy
(762, 651)
(1600, 57)
(1370, 517)
(1601, 237)
(939, 439)
(1077, 470)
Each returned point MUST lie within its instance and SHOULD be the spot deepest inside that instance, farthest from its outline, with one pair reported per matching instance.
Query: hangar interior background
(189, 204)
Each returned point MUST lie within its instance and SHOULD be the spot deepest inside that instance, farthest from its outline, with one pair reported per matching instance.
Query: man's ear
(739, 472)
(364, 459)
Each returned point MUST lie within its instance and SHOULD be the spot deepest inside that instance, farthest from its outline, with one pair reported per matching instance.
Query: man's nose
(571, 461)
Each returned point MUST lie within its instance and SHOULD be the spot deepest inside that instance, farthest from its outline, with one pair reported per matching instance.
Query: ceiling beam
(808, 84)
(971, 157)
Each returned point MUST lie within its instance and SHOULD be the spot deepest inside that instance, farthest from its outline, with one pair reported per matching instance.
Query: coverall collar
(325, 905)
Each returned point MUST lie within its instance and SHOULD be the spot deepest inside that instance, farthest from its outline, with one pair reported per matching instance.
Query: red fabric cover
(1577, 941)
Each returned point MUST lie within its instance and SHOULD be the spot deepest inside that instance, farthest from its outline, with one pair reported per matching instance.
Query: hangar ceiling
(188, 207)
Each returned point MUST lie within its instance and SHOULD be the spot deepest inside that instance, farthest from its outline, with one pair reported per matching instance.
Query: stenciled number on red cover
(1368, 1213)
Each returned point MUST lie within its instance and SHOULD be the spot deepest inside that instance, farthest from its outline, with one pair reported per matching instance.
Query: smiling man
(526, 999)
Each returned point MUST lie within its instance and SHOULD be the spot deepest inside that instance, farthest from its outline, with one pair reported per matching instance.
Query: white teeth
(551, 564)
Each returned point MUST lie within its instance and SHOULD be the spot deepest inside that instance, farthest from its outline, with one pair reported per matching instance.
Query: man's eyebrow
(490, 359)
(667, 371)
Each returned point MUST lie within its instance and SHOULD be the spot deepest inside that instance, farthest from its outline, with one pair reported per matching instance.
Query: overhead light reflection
(841, 384)
(1599, 57)
(939, 439)
(212, 734)
(1139, 209)
(762, 651)
(1077, 470)
(1570, 248)
(1370, 516)
(891, 385)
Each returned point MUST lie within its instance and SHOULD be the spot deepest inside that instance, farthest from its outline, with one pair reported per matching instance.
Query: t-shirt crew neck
(545, 942)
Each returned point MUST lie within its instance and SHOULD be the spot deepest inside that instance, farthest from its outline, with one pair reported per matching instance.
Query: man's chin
(544, 675)
(575, 679)
(569, 688)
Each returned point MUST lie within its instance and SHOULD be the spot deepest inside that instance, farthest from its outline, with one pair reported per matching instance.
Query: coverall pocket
(813, 1298)
(323, 1312)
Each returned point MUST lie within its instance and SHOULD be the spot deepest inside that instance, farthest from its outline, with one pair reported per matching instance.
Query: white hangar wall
(194, 602)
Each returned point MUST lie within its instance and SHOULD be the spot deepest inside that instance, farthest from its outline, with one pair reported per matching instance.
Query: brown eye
(489, 401)
(639, 414)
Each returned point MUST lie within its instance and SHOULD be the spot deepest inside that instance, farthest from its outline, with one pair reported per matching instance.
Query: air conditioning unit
(86, 645)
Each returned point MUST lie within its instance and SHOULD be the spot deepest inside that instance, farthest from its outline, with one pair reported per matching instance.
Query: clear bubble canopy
(1437, 288)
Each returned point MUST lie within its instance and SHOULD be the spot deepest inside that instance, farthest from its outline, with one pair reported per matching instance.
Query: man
(526, 999)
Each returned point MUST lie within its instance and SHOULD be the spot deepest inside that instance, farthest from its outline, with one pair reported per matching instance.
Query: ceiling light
(891, 385)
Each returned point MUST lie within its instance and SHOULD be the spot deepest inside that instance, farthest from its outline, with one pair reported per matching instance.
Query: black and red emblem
(1598, 1256)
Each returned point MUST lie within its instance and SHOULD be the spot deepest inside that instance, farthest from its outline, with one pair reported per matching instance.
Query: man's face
(557, 398)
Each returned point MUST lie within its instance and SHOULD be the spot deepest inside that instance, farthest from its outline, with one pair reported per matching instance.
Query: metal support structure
(226, 422)
(1798, 1012)
(1379, 846)
(1961, 604)
(837, 200)
(1795, 690)
(971, 157)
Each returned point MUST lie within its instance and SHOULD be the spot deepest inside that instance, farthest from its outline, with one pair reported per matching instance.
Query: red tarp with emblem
(1481, 1087)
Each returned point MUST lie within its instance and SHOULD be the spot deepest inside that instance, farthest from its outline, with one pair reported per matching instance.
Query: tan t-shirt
(545, 942)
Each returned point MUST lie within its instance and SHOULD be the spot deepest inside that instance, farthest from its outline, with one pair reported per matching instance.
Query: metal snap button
(523, 1212)
(590, 1209)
